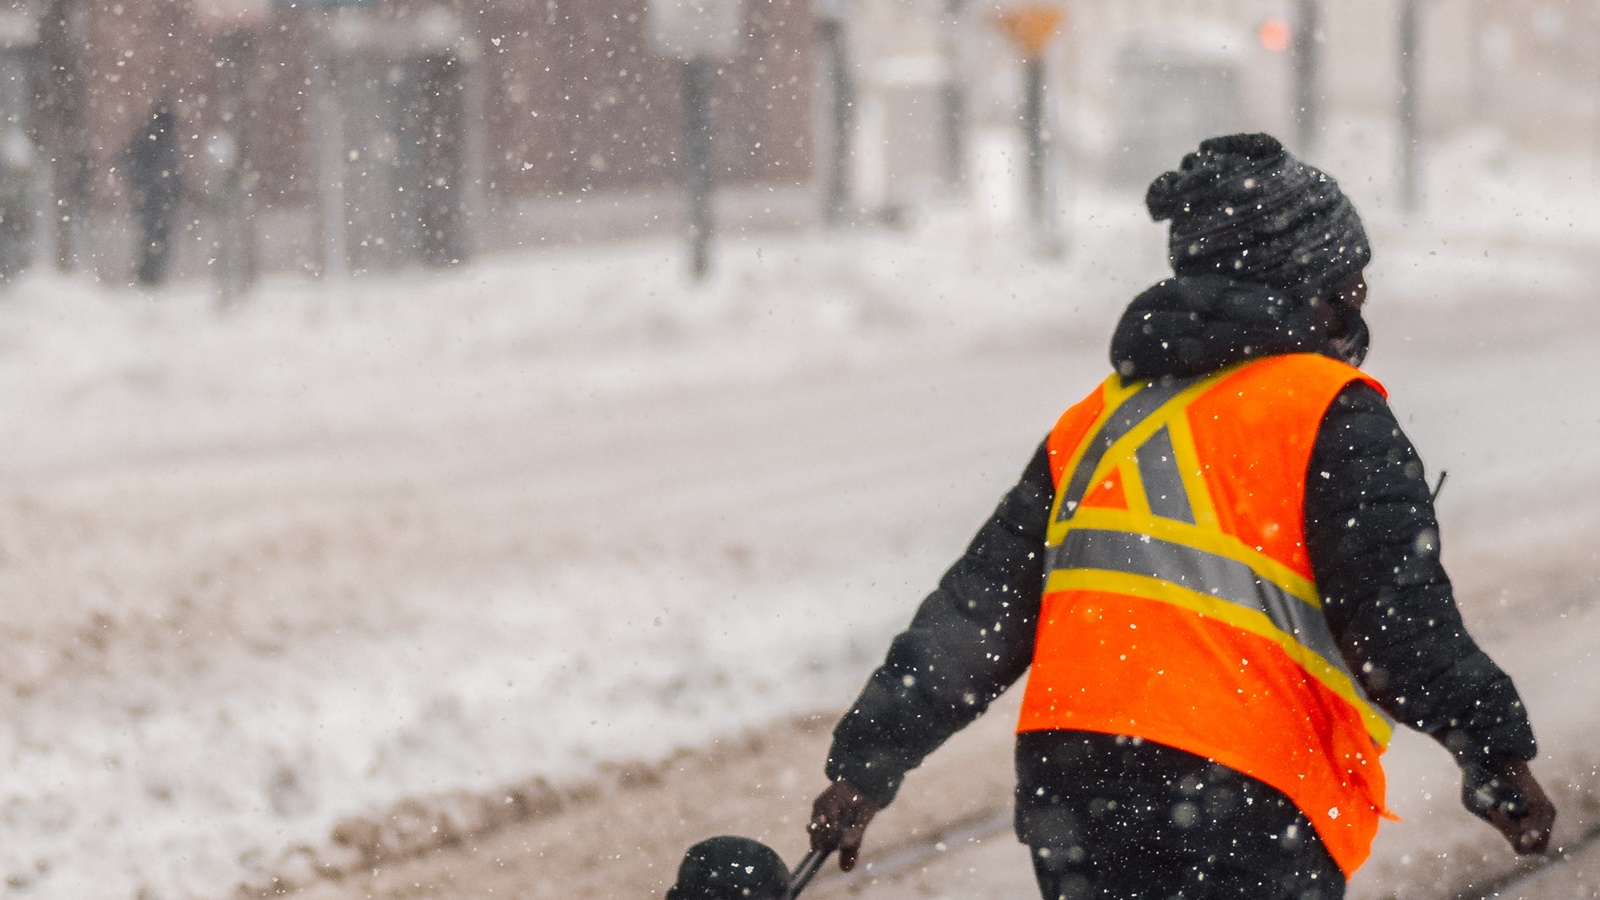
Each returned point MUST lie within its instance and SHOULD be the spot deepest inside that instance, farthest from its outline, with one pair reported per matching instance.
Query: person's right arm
(971, 639)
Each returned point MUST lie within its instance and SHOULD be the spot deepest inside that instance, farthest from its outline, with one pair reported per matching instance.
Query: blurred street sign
(1031, 26)
(219, 16)
(319, 4)
(828, 9)
(18, 29)
(696, 28)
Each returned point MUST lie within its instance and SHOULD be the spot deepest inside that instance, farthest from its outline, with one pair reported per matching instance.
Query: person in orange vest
(1222, 568)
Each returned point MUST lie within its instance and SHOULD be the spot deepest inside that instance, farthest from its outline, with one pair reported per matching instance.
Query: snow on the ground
(162, 730)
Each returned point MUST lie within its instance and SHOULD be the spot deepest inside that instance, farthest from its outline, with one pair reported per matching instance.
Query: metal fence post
(1307, 87)
(697, 158)
(1410, 126)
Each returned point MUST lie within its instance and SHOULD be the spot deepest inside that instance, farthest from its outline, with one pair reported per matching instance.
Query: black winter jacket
(1370, 533)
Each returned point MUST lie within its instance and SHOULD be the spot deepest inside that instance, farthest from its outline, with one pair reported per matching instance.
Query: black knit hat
(1243, 207)
(731, 868)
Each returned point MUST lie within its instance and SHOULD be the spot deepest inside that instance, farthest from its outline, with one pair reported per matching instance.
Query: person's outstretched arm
(1373, 540)
(970, 640)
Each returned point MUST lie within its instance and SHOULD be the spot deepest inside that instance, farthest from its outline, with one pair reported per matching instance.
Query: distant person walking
(1222, 568)
(155, 187)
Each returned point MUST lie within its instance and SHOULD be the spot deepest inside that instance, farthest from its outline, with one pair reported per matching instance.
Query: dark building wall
(279, 110)
(575, 99)
(578, 100)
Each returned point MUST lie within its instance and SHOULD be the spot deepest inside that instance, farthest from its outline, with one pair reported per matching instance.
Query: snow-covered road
(266, 570)
(442, 533)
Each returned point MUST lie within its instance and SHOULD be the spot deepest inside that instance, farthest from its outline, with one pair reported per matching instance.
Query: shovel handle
(807, 870)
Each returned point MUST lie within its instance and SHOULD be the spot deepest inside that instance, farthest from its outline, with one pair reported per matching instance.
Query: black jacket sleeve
(1374, 547)
(969, 641)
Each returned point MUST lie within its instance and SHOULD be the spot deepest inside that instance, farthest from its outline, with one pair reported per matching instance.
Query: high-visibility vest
(1179, 603)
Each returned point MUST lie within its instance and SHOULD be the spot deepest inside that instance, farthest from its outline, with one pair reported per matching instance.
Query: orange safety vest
(1179, 603)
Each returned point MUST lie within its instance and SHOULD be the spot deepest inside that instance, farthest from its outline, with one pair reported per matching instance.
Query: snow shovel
(803, 873)
(738, 868)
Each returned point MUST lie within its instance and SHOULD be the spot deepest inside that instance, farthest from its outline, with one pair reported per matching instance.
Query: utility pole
(697, 159)
(1031, 27)
(696, 33)
(63, 102)
(953, 100)
(834, 33)
(328, 121)
(1033, 135)
(1477, 64)
(1307, 89)
(1409, 132)
(228, 177)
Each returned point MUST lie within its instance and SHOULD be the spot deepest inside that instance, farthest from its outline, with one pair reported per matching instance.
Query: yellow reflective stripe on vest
(1213, 585)
(1126, 411)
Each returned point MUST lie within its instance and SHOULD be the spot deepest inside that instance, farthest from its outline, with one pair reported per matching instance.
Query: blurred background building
(339, 136)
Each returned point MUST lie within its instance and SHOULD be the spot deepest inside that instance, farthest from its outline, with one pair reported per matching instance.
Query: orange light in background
(1275, 35)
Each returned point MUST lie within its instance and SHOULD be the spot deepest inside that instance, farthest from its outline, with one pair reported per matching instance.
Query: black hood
(1194, 325)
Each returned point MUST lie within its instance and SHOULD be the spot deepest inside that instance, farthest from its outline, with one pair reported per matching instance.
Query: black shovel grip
(807, 870)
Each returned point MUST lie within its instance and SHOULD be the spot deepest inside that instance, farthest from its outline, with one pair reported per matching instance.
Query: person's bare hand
(839, 820)
(1513, 801)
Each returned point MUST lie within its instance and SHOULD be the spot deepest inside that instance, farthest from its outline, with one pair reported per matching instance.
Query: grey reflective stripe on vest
(1123, 419)
(1163, 483)
(1201, 572)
